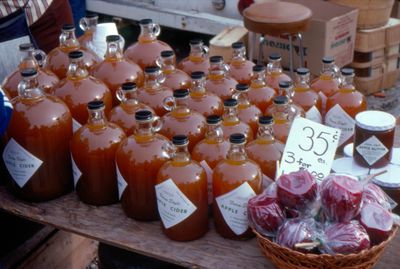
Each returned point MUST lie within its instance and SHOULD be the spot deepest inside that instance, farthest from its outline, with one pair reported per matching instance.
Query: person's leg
(47, 29)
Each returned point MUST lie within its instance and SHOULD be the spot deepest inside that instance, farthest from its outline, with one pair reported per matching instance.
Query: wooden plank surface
(109, 224)
(63, 250)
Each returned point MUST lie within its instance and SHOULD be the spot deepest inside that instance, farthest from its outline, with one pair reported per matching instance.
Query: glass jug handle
(226, 68)
(157, 124)
(205, 50)
(63, 38)
(120, 95)
(159, 61)
(169, 148)
(40, 57)
(236, 95)
(21, 88)
(84, 24)
(156, 29)
(161, 77)
(122, 42)
(169, 103)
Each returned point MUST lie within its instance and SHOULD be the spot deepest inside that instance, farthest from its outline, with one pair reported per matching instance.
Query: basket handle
(308, 245)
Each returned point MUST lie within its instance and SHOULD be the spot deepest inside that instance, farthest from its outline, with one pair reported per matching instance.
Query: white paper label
(338, 118)
(20, 163)
(121, 182)
(75, 171)
(75, 125)
(323, 101)
(173, 206)
(395, 156)
(314, 115)
(311, 146)
(372, 150)
(209, 173)
(233, 207)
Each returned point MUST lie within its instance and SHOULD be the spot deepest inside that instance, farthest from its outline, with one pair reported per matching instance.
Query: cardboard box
(332, 32)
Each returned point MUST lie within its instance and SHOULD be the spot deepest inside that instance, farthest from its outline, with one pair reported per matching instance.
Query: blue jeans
(78, 11)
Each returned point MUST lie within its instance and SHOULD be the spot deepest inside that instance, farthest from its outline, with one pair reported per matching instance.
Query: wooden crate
(370, 40)
(392, 50)
(378, 38)
(392, 63)
(368, 59)
(368, 85)
(221, 43)
(63, 250)
(390, 78)
(392, 32)
(370, 71)
(371, 13)
(51, 249)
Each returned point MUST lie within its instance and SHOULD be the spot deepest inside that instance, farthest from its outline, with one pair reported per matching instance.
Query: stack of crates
(376, 57)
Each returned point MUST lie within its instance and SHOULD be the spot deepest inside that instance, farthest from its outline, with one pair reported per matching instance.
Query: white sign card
(311, 146)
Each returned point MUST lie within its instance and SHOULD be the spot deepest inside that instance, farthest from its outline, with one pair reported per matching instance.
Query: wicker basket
(284, 258)
(371, 13)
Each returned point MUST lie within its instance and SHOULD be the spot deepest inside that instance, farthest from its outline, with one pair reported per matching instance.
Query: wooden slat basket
(371, 13)
(285, 258)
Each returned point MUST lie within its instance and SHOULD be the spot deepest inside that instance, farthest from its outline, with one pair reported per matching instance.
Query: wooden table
(109, 224)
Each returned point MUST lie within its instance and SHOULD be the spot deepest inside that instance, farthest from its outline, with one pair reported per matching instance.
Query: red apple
(341, 197)
(377, 221)
(295, 231)
(265, 214)
(345, 238)
(297, 189)
(374, 194)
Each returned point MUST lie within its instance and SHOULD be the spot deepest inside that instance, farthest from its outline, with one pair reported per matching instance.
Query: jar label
(323, 101)
(75, 125)
(372, 150)
(20, 163)
(209, 173)
(338, 118)
(173, 206)
(75, 171)
(314, 115)
(121, 182)
(233, 207)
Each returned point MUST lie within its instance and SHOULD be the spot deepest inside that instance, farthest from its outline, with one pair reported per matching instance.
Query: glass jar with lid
(374, 138)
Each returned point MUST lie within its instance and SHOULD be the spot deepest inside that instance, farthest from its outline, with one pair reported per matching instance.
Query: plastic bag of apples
(339, 216)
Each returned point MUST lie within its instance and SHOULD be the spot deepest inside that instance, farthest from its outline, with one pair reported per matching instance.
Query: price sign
(311, 146)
